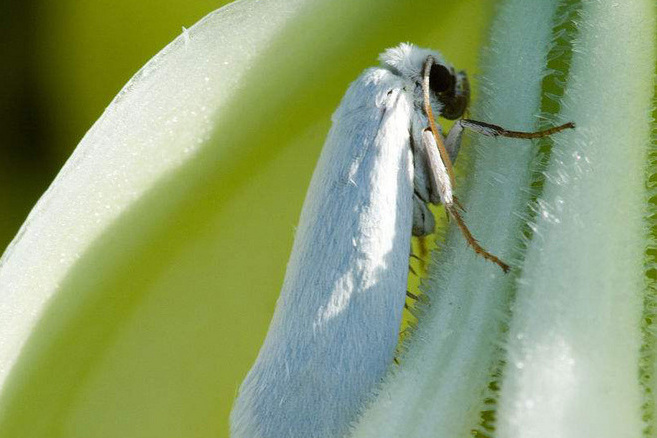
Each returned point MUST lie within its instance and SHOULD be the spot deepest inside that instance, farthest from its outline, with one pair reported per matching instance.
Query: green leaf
(573, 350)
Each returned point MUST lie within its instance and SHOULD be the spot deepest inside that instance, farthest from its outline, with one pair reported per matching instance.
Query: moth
(335, 328)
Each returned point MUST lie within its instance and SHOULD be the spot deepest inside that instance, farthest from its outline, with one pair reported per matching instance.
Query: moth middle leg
(440, 187)
(453, 140)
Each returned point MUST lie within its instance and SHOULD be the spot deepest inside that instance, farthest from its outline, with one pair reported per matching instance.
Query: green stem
(573, 350)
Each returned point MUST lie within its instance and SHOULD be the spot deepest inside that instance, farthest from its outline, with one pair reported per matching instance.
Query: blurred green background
(63, 62)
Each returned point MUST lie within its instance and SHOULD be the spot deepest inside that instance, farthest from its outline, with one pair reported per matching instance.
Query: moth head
(451, 89)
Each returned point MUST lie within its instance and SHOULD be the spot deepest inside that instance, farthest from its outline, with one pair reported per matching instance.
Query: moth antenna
(432, 124)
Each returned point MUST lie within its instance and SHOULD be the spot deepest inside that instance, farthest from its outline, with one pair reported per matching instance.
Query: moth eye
(440, 79)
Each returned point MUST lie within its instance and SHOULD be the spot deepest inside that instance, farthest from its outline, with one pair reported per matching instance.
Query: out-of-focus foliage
(63, 62)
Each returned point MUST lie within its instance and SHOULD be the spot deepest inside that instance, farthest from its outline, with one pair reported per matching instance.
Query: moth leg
(453, 140)
(478, 249)
(419, 298)
(441, 181)
(412, 296)
(459, 205)
(421, 173)
(497, 131)
(423, 220)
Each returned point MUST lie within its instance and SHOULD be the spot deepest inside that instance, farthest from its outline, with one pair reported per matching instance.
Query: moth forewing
(335, 327)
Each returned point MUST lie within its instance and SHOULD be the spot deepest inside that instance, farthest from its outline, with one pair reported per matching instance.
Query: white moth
(335, 328)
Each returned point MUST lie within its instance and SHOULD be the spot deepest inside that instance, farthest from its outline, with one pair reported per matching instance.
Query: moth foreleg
(453, 140)
(441, 181)
(423, 220)
(497, 131)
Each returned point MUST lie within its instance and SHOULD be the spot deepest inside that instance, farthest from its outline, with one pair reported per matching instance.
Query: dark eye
(440, 79)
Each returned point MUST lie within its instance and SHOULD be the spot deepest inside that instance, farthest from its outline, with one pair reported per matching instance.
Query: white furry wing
(335, 328)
